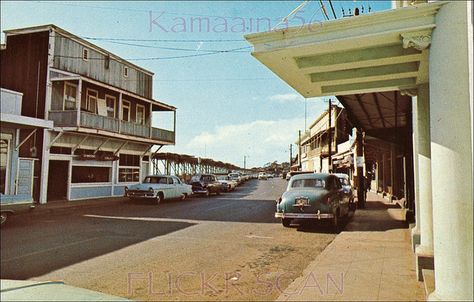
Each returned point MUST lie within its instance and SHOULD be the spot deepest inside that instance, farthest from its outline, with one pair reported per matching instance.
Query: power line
(324, 9)
(161, 58)
(332, 8)
(164, 40)
(172, 48)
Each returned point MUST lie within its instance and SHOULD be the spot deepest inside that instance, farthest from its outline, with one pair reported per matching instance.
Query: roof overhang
(375, 52)
(21, 121)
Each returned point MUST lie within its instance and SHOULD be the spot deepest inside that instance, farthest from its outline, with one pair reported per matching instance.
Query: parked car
(262, 175)
(347, 188)
(12, 204)
(270, 175)
(313, 196)
(159, 188)
(236, 177)
(293, 173)
(227, 184)
(206, 184)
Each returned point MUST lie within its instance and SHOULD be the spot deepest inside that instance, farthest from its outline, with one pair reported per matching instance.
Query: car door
(336, 193)
(179, 188)
(344, 198)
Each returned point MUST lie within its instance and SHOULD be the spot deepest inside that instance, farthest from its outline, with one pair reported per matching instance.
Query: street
(227, 247)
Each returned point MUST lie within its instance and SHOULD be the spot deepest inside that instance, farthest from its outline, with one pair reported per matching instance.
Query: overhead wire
(324, 9)
(332, 8)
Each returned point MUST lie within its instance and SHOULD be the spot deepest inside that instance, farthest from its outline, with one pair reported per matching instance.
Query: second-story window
(125, 110)
(125, 71)
(91, 100)
(70, 91)
(85, 54)
(140, 114)
(110, 103)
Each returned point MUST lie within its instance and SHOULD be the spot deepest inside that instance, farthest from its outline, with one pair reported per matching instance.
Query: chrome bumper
(317, 215)
(140, 195)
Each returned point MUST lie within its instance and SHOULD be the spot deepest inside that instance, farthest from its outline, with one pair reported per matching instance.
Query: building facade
(405, 76)
(17, 173)
(101, 106)
(314, 144)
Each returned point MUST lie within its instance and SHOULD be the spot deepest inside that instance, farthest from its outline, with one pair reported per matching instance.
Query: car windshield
(196, 178)
(155, 180)
(344, 181)
(308, 183)
(223, 177)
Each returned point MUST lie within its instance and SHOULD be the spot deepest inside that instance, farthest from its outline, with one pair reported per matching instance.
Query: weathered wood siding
(68, 57)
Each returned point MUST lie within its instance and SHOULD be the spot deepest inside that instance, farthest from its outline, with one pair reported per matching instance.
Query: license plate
(302, 201)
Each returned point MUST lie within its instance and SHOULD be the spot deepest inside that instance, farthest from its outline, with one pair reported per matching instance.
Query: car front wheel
(286, 222)
(158, 199)
(4, 217)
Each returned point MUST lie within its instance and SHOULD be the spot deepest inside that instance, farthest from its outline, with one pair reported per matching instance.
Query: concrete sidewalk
(370, 260)
(64, 205)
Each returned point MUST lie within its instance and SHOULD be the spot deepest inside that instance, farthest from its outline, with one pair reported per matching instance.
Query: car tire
(184, 196)
(352, 206)
(4, 218)
(286, 222)
(218, 192)
(158, 198)
(336, 223)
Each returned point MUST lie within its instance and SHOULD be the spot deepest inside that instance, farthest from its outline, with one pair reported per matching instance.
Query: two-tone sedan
(313, 196)
(158, 188)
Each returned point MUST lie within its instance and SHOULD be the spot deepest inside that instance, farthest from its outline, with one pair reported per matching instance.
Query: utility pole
(299, 149)
(291, 154)
(330, 138)
(245, 161)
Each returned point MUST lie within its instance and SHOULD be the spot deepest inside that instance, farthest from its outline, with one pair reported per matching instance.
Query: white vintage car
(159, 188)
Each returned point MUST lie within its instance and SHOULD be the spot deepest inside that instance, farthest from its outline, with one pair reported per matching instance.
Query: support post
(424, 252)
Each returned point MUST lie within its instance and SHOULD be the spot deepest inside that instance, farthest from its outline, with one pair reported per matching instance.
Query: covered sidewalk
(405, 77)
(370, 260)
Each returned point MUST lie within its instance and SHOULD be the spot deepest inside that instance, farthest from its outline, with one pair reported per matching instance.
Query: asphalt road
(227, 247)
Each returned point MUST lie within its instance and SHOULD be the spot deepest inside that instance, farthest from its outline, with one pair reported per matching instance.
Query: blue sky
(229, 105)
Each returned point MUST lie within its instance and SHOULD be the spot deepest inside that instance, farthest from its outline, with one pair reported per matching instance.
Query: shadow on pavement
(51, 245)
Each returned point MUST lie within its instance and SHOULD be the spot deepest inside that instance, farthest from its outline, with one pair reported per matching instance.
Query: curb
(84, 204)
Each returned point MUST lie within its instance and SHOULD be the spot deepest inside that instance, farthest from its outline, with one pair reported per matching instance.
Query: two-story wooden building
(326, 131)
(102, 108)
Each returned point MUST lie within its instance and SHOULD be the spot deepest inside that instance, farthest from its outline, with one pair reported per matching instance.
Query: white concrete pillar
(424, 252)
(415, 232)
(451, 93)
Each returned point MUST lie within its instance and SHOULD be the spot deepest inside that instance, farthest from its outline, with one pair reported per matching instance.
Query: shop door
(24, 181)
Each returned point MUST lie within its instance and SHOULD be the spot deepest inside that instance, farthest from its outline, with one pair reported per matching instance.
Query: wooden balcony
(94, 121)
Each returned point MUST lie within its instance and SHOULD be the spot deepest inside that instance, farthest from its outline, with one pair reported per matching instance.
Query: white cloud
(261, 141)
(286, 97)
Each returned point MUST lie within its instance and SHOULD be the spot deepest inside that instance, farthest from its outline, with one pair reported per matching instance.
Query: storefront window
(84, 174)
(129, 170)
(129, 174)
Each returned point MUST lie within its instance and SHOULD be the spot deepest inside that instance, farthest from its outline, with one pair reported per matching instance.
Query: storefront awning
(372, 62)
(374, 52)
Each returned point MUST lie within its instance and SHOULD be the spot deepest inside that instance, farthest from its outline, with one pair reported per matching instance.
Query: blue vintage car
(313, 196)
(158, 188)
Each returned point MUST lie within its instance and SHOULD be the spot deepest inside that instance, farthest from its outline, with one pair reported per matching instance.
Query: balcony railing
(95, 121)
(135, 129)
